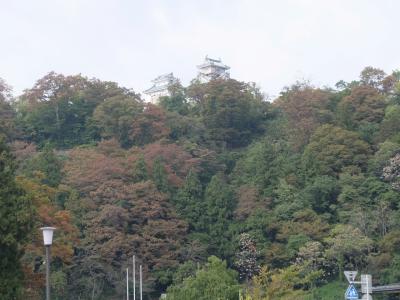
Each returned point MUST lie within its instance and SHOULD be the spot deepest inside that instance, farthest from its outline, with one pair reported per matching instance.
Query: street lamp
(47, 240)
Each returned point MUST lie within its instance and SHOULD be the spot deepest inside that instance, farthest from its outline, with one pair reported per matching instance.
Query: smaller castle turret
(160, 87)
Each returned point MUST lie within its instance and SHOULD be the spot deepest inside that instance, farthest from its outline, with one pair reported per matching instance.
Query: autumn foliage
(216, 190)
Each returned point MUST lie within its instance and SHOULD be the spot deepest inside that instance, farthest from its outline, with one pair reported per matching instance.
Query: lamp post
(47, 240)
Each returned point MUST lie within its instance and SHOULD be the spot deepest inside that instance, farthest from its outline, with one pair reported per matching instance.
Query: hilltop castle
(210, 69)
(160, 87)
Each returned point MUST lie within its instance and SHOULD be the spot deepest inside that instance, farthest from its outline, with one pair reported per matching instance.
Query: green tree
(288, 201)
(7, 114)
(59, 108)
(177, 101)
(322, 194)
(286, 284)
(213, 281)
(189, 201)
(384, 152)
(231, 111)
(332, 149)
(140, 170)
(348, 247)
(390, 126)
(50, 165)
(372, 77)
(114, 117)
(363, 105)
(219, 205)
(159, 175)
(15, 224)
(263, 164)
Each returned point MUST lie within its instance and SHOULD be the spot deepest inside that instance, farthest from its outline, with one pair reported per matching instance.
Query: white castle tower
(160, 87)
(212, 69)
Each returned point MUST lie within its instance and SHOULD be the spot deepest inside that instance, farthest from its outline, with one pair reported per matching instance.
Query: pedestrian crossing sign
(351, 293)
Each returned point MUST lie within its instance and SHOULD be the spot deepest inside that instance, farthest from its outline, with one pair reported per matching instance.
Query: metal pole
(127, 283)
(134, 278)
(141, 282)
(47, 272)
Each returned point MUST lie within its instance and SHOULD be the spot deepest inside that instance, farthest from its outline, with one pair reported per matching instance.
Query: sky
(272, 43)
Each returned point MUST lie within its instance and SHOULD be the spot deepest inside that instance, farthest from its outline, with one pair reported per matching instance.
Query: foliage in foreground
(287, 194)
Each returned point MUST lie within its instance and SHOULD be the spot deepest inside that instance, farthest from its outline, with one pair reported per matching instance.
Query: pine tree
(50, 165)
(140, 170)
(159, 175)
(189, 201)
(219, 206)
(15, 223)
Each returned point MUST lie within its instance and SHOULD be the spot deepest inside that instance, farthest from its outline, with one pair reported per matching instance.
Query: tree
(290, 283)
(332, 149)
(391, 172)
(114, 117)
(248, 202)
(385, 151)
(286, 284)
(312, 256)
(231, 111)
(348, 247)
(15, 224)
(88, 168)
(59, 108)
(189, 201)
(363, 105)
(49, 164)
(213, 281)
(176, 161)
(263, 164)
(177, 101)
(56, 109)
(372, 77)
(288, 201)
(390, 125)
(290, 235)
(219, 205)
(322, 194)
(149, 126)
(246, 257)
(128, 219)
(159, 175)
(7, 114)
(312, 179)
(140, 170)
(306, 108)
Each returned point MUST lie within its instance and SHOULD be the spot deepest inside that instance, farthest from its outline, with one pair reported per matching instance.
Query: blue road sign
(351, 293)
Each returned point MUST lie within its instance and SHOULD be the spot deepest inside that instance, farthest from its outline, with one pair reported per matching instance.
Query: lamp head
(47, 235)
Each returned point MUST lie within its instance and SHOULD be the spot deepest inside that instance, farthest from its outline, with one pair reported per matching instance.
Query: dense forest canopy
(216, 191)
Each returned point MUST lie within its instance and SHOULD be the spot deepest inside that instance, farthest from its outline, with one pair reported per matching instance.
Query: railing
(386, 288)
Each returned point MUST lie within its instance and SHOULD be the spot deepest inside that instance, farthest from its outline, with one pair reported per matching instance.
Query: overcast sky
(272, 43)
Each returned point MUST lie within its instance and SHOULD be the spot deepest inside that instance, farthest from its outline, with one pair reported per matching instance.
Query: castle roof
(213, 62)
(155, 89)
(164, 77)
(161, 83)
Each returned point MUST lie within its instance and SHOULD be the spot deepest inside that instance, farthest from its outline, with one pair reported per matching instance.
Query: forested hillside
(217, 190)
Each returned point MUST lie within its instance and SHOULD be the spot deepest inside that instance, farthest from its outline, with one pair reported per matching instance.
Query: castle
(160, 87)
(210, 69)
